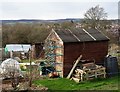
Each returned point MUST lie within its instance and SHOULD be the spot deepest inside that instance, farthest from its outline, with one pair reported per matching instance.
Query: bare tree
(94, 17)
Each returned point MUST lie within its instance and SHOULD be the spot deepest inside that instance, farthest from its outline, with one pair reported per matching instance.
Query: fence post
(30, 79)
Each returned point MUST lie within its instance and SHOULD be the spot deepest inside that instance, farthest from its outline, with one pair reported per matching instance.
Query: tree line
(35, 33)
(23, 33)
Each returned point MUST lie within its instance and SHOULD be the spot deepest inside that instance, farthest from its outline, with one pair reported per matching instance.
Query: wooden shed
(63, 47)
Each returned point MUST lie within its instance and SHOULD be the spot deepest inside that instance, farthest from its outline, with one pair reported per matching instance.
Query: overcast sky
(34, 9)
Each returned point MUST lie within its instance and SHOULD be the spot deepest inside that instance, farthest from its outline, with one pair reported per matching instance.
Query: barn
(64, 46)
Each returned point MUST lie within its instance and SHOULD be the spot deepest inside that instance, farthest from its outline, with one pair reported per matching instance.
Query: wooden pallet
(96, 73)
(81, 75)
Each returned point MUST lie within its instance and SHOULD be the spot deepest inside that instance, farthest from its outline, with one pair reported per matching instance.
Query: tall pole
(30, 78)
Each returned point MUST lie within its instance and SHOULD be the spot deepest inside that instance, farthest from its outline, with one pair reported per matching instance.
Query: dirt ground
(23, 86)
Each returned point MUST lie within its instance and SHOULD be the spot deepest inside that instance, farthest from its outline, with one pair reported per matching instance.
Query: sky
(51, 9)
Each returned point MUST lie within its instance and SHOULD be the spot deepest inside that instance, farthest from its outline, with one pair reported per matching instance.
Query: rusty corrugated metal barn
(64, 46)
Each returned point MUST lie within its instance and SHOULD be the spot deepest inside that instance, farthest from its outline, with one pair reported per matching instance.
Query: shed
(63, 47)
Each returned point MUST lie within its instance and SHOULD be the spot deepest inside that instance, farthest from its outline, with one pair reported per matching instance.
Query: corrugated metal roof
(80, 35)
(66, 36)
(97, 34)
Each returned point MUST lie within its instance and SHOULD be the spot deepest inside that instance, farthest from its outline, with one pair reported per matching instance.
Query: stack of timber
(89, 71)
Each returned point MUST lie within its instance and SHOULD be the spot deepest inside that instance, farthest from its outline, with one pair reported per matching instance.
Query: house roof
(80, 35)
(18, 47)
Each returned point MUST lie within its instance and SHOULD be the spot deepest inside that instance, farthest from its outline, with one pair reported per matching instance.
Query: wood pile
(89, 71)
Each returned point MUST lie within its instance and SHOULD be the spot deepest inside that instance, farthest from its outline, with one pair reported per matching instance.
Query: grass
(66, 84)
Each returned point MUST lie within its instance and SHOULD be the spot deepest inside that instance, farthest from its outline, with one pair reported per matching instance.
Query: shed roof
(18, 47)
(81, 35)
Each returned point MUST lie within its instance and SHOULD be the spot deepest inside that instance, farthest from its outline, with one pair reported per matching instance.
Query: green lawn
(66, 84)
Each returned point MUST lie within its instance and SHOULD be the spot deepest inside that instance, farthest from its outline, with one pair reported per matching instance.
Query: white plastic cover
(9, 66)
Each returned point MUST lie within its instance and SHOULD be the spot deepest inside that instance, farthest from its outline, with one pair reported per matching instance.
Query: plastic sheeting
(9, 66)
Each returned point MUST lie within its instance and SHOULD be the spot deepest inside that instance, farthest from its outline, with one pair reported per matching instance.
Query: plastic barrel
(111, 65)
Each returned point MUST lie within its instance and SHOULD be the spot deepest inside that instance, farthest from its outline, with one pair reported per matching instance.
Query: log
(76, 79)
(77, 61)
(77, 76)
(80, 71)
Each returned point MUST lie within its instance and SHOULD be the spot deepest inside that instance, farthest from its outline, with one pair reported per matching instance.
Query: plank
(77, 61)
